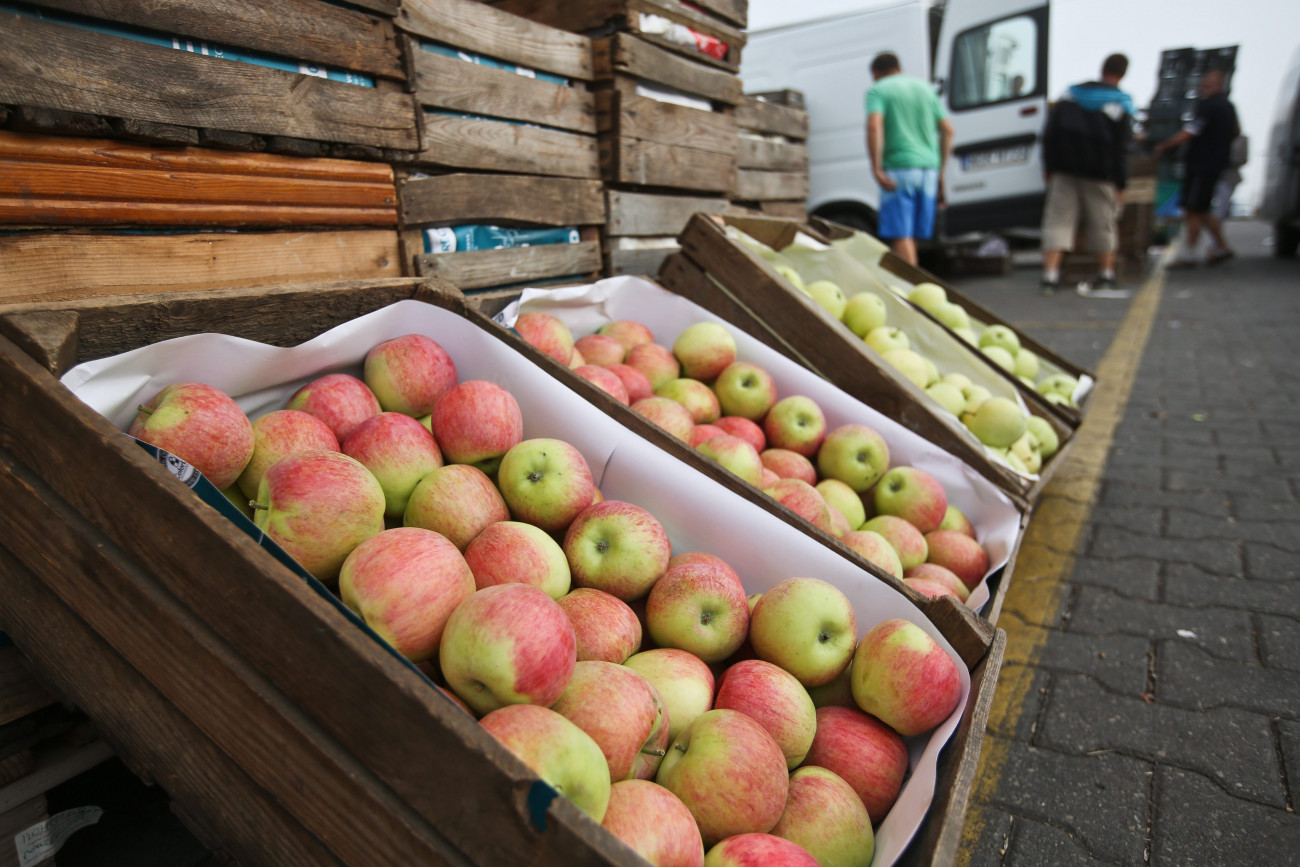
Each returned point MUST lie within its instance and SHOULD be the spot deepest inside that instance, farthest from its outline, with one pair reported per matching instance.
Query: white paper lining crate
(772, 156)
(298, 76)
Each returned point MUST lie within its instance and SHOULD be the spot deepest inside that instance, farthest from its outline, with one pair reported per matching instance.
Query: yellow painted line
(1047, 552)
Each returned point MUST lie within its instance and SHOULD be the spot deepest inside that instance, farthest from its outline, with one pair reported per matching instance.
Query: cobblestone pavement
(1158, 718)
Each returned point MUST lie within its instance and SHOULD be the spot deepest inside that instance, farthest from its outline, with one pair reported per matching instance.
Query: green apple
(855, 454)
(960, 380)
(789, 273)
(908, 363)
(1013, 460)
(947, 396)
(796, 423)
(829, 295)
(1058, 383)
(1048, 441)
(704, 349)
(617, 547)
(967, 334)
(952, 315)
(1028, 450)
(1000, 335)
(998, 422)
(746, 390)
(955, 519)
(545, 482)
(684, 681)
(928, 296)
(806, 626)
(841, 497)
(864, 312)
(975, 396)
(885, 338)
(558, 751)
(698, 398)
(1000, 356)
(931, 372)
(1027, 365)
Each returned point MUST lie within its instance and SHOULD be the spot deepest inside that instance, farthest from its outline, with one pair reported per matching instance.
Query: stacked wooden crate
(772, 156)
(505, 186)
(666, 91)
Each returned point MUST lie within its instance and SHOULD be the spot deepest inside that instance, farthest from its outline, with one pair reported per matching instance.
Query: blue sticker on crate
(461, 239)
(183, 43)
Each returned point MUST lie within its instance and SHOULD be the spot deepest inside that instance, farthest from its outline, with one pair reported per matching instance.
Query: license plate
(996, 158)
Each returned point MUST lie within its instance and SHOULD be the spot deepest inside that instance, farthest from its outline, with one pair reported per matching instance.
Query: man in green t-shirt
(909, 140)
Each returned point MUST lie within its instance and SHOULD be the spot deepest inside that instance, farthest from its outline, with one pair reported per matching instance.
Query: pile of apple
(840, 480)
(646, 687)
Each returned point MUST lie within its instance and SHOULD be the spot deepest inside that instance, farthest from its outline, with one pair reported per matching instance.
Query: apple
(908, 541)
(318, 506)
(839, 523)
(735, 455)
(955, 519)
(606, 628)
(947, 396)
(698, 398)
(968, 334)
(654, 823)
(844, 500)
(1001, 357)
(606, 380)
(408, 374)
(855, 454)
(885, 338)
(547, 333)
(975, 396)
(806, 626)
(617, 547)
(684, 681)
(941, 576)
(476, 422)
(398, 451)
(864, 752)
(796, 423)
(998, 422)
(745, 390)
(456, 500)
(776, 700)
(747, 430)
(628, 332)
(702, 432)
(667, 414)
(704, 557)
(803, 499)
(1058, 383)
(240, 500)
(545, 482)
(278, 434)
(829, 295)
(576, 360)
(656, 361)
(912, 494)
(910, 364)
(788, 272)
(904, 678)
(839, 692)
(618, 707)
(729, 772)
(1001, 336)
(769, 478)
(601, 349)
(927, 296)
(929, 589)
(338, 399)
(635, 383)
(698, 607)
(201, 425)
(756, 850)
(512, 552)
(954, 316)
(958, 553)
(508, 644)
(1026, 364)
(931, 372)
(875, 549)
(864, 312)
(405, 583)
(1048, 441)
(704, 349)
(559, 752)
(789, 465)
(1028, 450)
(825, 816)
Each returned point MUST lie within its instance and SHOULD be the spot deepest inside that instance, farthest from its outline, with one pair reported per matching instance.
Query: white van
(988, 60)
(1281, 203)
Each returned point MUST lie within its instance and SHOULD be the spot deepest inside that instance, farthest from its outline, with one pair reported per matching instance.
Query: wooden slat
(640, 263)
(326, 33)
(762, 116)
(52, 66)
(15, 822)
(734, 11)
(628, 115)
(624, 53)
(771, 156)
(650, 164)
(478, 269)
(752, 186)
(67, 212)
(465, 198)
(20, 692)
(654, 214)
(62, 266)
(449, 82)
(480, 28)
(493, 145)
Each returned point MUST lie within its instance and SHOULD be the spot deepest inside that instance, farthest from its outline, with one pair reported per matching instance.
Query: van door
(991, 70)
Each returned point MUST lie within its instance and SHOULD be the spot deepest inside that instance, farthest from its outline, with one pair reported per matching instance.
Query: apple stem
(679, 747)
(255, 505)
(144, 409)
(653, 752)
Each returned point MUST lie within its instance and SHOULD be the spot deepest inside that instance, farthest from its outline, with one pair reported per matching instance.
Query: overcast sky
(1085, 31)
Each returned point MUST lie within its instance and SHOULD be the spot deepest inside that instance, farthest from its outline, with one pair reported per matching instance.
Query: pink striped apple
(904, 678)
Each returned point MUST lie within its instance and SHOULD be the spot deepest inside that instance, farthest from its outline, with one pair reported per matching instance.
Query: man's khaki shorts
(1074, 204)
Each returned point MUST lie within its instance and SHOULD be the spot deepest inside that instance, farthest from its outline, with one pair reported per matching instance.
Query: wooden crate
(21, 693)
(476, 116)
(734, 282)
(110, 67)
(180, 636)
(772, 156)
(723, 20)
(643, 228)
(451, 200)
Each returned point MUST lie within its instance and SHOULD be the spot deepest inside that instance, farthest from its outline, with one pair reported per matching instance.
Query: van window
(995, 62)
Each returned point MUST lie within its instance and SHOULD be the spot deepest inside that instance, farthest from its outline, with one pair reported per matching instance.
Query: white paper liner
(697, 512)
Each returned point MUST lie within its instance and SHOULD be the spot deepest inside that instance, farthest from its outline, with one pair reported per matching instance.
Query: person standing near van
(909, 140)
(1085, 156)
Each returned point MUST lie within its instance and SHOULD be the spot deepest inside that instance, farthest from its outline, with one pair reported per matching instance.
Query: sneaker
(1102, 287)
(1049, 287)
(1214, 257)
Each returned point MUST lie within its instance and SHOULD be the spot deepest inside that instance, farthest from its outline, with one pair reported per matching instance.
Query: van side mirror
(938, 86)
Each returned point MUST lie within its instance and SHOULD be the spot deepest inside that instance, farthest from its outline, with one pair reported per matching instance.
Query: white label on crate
(39, 842)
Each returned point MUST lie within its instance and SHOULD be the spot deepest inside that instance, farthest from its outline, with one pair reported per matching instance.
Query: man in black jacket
(1085, 155)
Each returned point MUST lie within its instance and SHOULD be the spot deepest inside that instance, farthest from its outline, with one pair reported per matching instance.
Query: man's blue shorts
(908, 212)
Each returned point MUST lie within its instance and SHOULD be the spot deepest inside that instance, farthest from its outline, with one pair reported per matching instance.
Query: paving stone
(1034, 844)
(1021, 724)
(1121, 493)
(1189, 586)
(1101, 799)
(1231, 746)
(1131, 577)
(1279, 641)
(1190, 677)
(1272, 487)
(1247, 508)
(1270, 563)
(1222, 631)
(1197, 823)
(1215, 555)
(1289, 738)
(991, 829)
(1182, 524)
(1118, 661)
(1139, 519)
